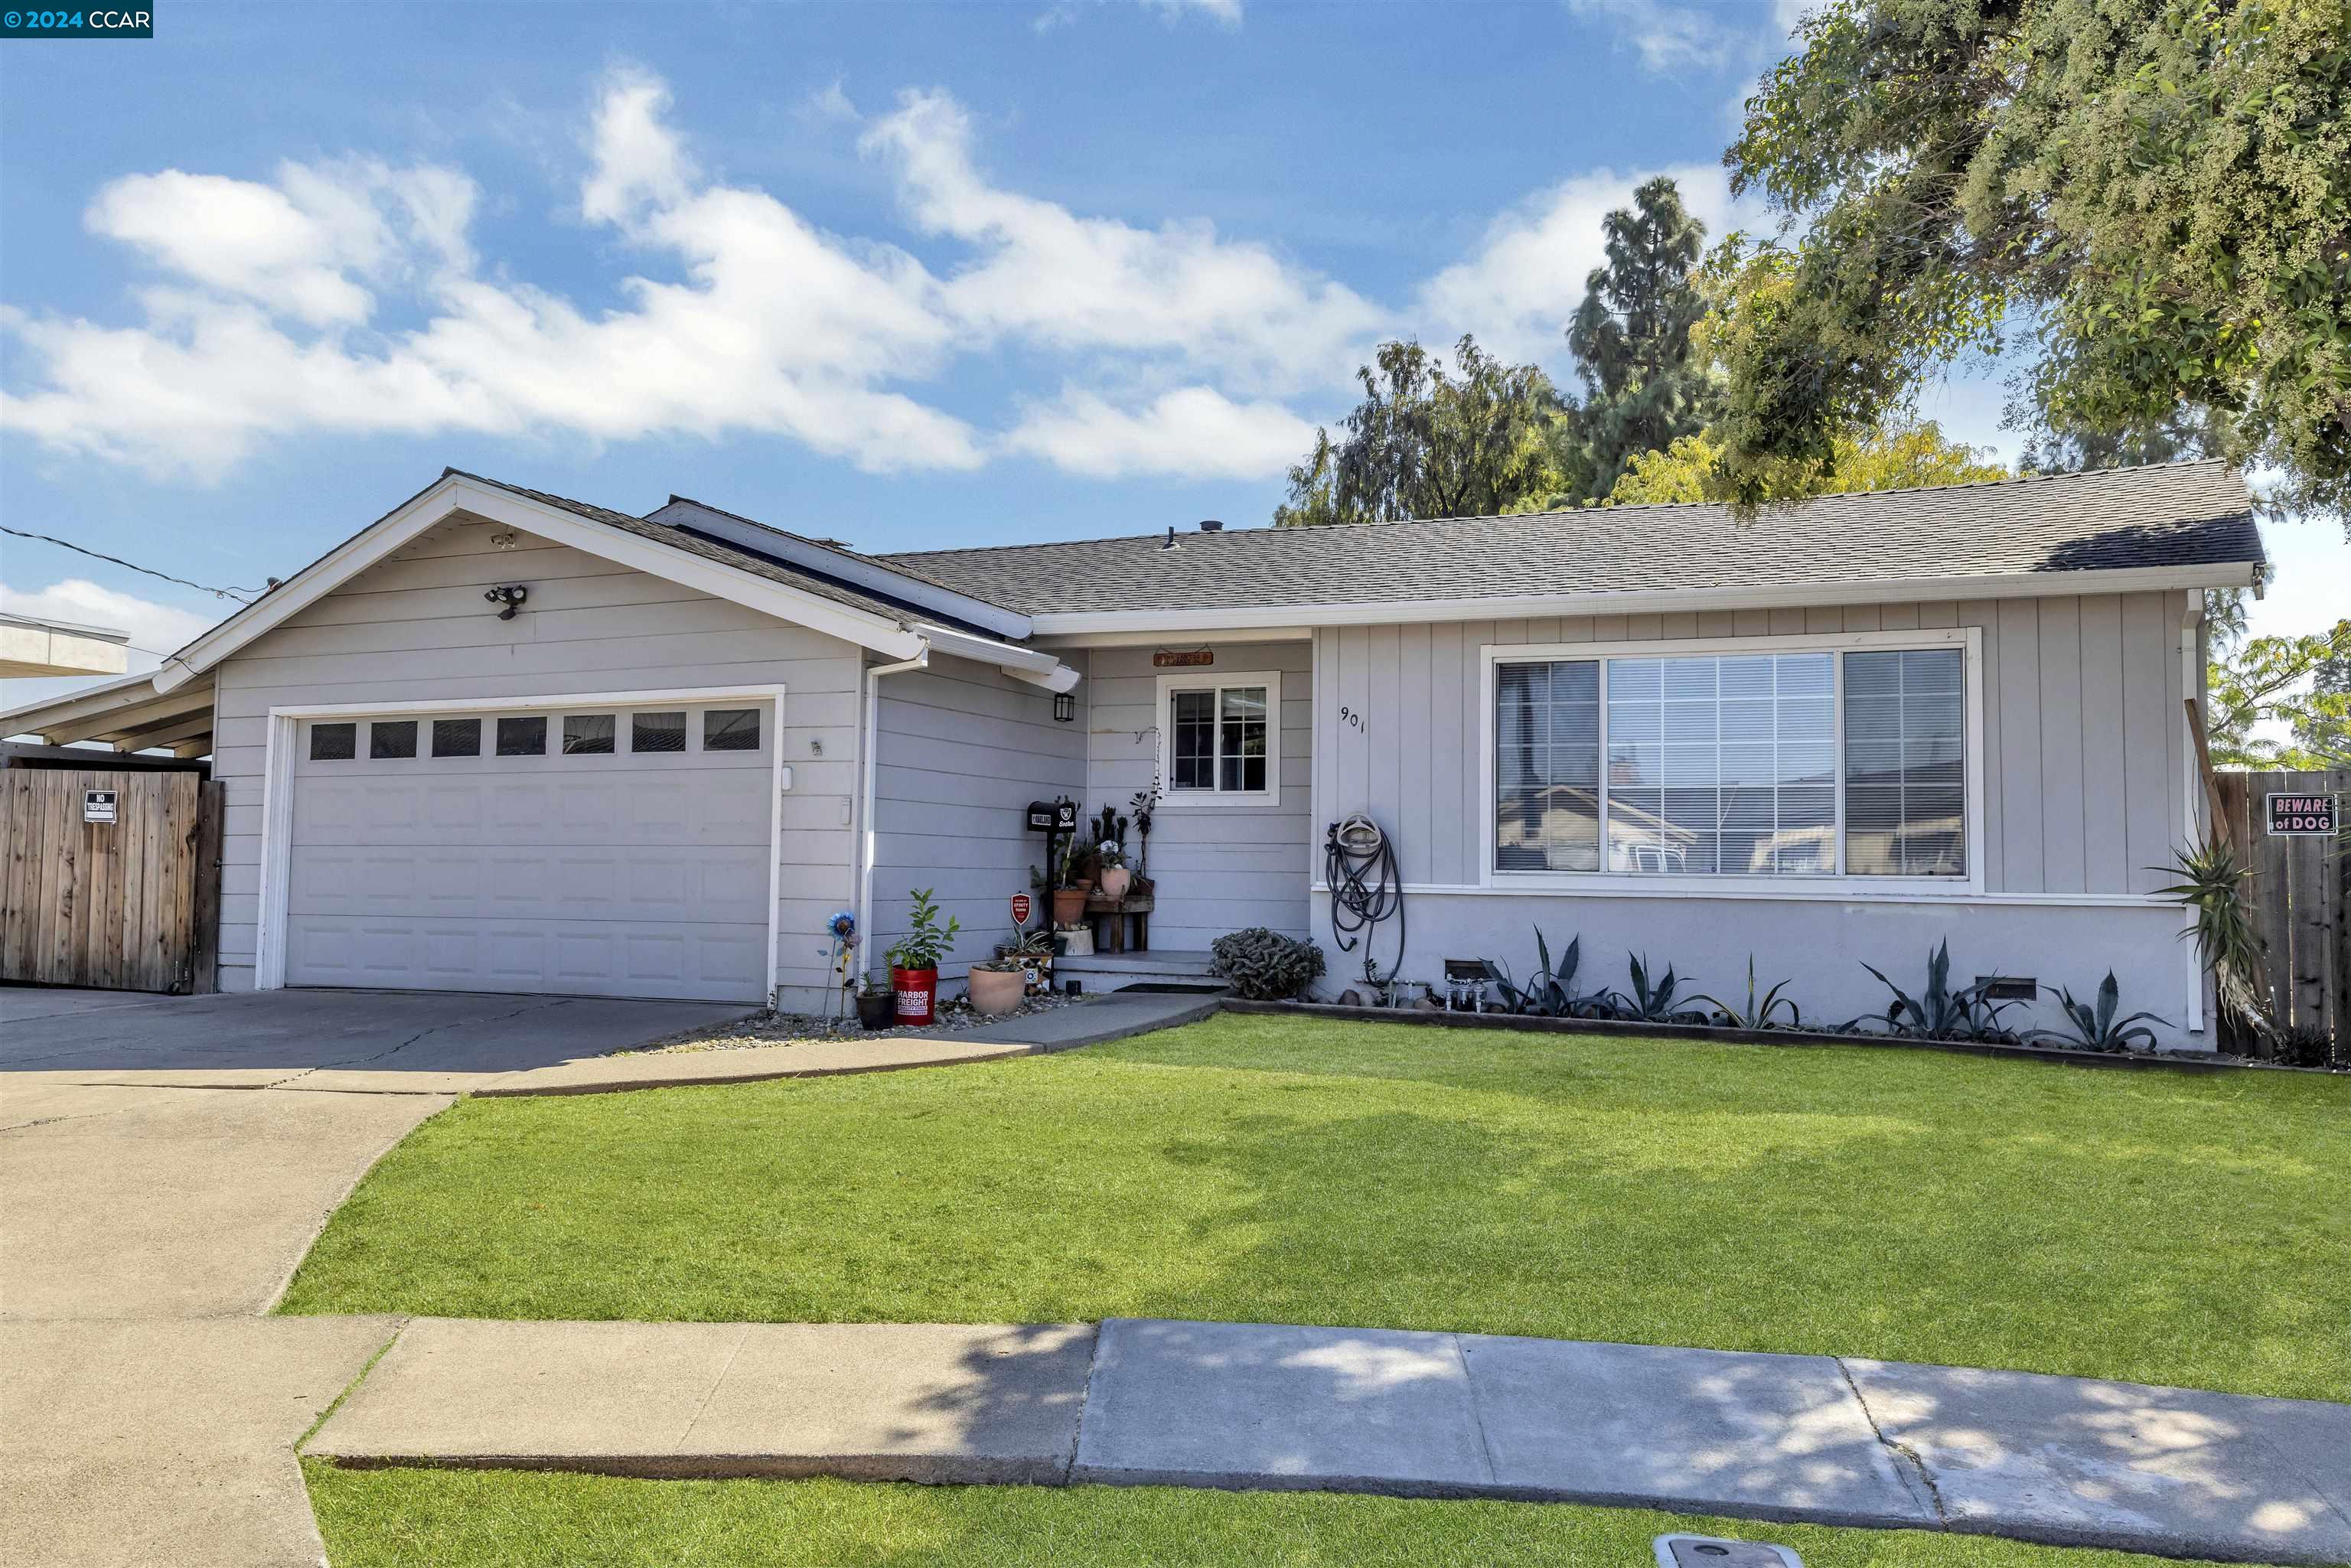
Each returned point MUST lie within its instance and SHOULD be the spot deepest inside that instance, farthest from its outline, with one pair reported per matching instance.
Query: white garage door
(595, 850)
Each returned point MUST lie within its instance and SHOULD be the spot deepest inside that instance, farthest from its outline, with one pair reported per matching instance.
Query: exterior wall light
(510, 596)
(1065, 706)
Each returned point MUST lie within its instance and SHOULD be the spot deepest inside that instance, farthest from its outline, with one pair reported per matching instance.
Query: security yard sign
(97, 805)
(2297, 814)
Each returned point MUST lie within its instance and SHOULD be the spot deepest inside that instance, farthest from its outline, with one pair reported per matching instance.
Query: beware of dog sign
(2296, 814)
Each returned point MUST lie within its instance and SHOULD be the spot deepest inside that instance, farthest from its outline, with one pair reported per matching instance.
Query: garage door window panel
(456, 737)
(588, 735)
(334, 742)
(730, 729)
(649, 732)
(391, 740)
(522, 736)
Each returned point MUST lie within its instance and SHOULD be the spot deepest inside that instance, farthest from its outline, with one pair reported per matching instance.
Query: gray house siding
(415, 628)
(1217, 868)
(961, 750)
(2084, 767)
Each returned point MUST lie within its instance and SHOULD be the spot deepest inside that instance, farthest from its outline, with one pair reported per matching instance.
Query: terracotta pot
(1069, 905)
(997, 991)
(917, 992)
(878, 1010)
(1115, 881)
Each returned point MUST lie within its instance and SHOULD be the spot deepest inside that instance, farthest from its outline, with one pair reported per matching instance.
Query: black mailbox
(1052, 816)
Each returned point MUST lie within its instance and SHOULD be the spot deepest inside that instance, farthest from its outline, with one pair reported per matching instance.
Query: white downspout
(867, 744)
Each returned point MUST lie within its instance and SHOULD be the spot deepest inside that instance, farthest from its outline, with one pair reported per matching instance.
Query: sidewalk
(1149, 1402)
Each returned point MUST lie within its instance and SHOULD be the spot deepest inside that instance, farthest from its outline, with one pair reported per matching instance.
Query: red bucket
(918, 994)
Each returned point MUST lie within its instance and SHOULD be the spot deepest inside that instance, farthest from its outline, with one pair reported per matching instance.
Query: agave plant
(1550, 992)
(1654, 1002)
(1939, 1012)
(1759, 1011)
(2095, 1028)
(2213, 886)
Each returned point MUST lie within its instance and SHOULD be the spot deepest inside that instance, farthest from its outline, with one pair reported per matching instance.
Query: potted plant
(1146, 802)
(996, 985)
(915, 960)
(877, 1004)
(1077, 880)
(1033, 951)
(1116, 875)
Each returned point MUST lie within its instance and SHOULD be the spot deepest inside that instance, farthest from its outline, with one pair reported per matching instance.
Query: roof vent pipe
(1211, 525)
(1171, 543)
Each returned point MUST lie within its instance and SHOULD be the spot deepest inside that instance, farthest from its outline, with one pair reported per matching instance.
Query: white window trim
(285, 740)
(1170, 682)
(1968, 638)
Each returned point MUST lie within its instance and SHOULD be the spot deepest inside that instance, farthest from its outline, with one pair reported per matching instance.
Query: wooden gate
(110, 878)
(2302, 888)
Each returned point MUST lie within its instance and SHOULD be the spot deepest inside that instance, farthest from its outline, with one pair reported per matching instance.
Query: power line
(247, 594)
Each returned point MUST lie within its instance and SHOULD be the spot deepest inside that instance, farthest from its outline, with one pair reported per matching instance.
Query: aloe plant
(2095, 1027)
(1939, 1012)
(1759, 1011)
(1650, 1002)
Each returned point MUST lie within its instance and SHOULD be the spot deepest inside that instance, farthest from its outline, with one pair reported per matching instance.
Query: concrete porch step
(1120, 971)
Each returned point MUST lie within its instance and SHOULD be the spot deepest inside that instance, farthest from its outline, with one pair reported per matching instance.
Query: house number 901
(1349, 716)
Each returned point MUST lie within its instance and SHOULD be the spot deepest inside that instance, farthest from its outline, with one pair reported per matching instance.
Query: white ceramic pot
(1116, 879)
(1076, 941)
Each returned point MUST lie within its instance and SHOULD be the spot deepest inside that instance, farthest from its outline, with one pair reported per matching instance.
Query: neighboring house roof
(2182, 514)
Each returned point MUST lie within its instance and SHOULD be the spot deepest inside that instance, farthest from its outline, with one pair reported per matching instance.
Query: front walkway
(1149, 1402)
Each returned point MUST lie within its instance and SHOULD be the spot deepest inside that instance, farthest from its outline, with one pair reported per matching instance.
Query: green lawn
(396, 1519)
(2156, 1227)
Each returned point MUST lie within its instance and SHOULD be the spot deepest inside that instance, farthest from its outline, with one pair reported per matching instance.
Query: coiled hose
(1359, 867)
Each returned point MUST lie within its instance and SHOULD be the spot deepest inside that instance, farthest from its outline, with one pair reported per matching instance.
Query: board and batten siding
(414, 627)
(1217, 868)
(2085, 770)
(2083, 728)
(961, 749)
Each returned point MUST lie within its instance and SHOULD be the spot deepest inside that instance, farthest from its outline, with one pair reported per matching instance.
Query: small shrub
(2308, 1045)
(1265, 966)
(1941, 1012)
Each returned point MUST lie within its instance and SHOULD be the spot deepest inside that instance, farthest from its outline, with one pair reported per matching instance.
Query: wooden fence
(108, 879)
(2302, 888)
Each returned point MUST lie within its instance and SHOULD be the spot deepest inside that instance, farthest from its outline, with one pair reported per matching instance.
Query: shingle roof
(2181, 514)
(711, 549)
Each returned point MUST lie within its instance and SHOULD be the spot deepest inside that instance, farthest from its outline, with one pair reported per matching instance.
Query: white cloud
(1668, 37)
(1226, 13)
(1191, 432)
(778, 327)
(1518, 289)
(1046, 274)
(1178, 350)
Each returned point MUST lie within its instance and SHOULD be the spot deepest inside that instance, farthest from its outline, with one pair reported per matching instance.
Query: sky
(906, 276)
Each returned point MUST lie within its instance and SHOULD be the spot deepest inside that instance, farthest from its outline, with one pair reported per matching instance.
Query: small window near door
(587, 735)
(522, 736)
(657, 732)
(730, 729)
(334, 742)
(456, 737)
(391, 739)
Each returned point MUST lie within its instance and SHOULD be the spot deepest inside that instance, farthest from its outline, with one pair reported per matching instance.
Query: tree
(2254, 682)
(1426, 441)
(1899, 458)
(2158, 192)
(1644, 385)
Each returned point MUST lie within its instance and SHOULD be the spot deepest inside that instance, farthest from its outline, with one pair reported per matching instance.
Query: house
(502, 740)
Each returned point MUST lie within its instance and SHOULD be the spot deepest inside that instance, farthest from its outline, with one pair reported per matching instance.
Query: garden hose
(1358, 866)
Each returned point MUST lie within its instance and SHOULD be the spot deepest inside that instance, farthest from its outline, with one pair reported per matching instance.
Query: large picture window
(1807, 762)
(1220, 738)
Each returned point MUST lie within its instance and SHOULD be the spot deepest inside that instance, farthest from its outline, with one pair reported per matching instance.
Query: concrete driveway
(164, 1162)
(259, 1035)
